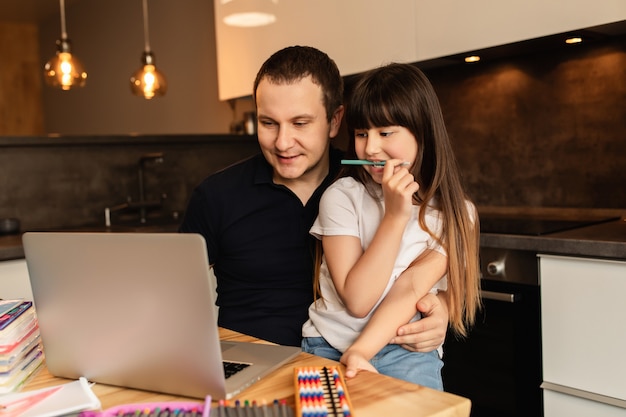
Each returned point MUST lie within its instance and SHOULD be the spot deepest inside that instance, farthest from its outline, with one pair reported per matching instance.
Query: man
(256, 214)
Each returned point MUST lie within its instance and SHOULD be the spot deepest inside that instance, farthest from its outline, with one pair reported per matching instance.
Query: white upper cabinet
(357, 34)
(363, 34)
(448, 27)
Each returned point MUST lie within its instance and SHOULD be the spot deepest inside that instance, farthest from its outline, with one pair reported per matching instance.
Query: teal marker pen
(366, 162)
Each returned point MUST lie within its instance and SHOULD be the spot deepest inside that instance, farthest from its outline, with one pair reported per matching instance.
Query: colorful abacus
(321, 392)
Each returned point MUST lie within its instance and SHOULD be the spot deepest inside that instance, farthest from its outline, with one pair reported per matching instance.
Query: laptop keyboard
(231, 368)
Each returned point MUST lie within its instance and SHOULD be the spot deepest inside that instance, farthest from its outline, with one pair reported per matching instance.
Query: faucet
(156, 157)
(142, 205)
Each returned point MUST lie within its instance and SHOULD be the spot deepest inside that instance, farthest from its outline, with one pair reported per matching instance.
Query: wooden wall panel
(21, 108)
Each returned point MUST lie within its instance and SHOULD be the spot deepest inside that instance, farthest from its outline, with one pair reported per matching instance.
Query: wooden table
(372, 395)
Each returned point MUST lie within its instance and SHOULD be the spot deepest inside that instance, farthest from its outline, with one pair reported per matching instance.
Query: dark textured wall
(541, 130)
(67, 182)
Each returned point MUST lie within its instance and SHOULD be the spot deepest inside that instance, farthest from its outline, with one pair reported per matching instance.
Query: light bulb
(64, 70)
(147, 81)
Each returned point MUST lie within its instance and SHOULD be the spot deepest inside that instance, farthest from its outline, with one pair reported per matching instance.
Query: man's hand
(355, 362)
(427, 334)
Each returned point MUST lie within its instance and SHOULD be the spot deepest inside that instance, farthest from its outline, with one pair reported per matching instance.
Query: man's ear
(335, 121)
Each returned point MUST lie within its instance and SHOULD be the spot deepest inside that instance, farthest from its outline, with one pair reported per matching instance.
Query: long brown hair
(401, 95)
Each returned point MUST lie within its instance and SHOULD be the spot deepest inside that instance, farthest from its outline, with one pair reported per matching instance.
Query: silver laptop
(137, 310)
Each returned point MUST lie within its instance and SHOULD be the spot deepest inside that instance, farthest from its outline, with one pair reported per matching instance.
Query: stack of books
(21, 353)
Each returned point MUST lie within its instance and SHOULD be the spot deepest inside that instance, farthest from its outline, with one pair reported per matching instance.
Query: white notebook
(58, 400)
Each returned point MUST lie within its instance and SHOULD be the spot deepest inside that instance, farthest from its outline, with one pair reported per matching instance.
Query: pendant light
(64, 70)
(147, 81)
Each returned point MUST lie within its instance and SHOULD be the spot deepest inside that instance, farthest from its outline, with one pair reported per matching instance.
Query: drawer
(557, 404)
(583, 312)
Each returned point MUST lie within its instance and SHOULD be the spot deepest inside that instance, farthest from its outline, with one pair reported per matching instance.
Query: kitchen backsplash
(68, 182)
(541, 130)
(546, 130)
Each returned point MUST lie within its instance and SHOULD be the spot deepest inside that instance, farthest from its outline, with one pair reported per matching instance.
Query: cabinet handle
(498, 296)
(584, 394)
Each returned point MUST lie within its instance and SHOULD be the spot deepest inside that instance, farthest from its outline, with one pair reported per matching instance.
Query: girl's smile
(378, 144)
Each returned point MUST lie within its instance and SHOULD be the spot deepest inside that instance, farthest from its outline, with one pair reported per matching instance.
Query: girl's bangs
(379, 104)
(370, 109)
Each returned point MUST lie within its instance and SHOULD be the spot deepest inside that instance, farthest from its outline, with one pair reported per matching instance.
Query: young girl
(390, 233)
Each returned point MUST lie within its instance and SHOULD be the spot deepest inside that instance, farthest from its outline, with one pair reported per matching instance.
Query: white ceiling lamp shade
(249, 13)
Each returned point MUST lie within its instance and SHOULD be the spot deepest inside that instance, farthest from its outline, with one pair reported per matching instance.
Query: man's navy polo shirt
(258, 241)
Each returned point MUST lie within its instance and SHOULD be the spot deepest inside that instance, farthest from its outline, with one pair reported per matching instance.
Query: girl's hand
(355, 362)
(399, 185)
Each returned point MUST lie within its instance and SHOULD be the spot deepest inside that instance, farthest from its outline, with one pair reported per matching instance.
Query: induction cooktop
(531, 226)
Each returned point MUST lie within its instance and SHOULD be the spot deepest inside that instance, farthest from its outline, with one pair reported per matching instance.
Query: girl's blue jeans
(393, 360)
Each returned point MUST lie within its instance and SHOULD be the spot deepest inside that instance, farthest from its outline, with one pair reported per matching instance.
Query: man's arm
(428, 333)
(424, 335)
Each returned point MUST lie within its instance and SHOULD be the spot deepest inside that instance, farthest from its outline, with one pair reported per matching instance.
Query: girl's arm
(360, 277)
(398, 307)
(428, 333)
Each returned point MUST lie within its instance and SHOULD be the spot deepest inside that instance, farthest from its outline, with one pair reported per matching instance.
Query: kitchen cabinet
(448, 27)
(357, 34)
(363, 34)
(583, 336)
(14, 280)
(559, 404)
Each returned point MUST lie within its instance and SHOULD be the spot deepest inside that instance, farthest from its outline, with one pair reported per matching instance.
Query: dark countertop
(11, 245)
(606, 240)
(99, 140)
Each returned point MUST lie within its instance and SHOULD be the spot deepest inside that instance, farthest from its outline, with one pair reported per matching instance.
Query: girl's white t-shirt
(347, 209)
